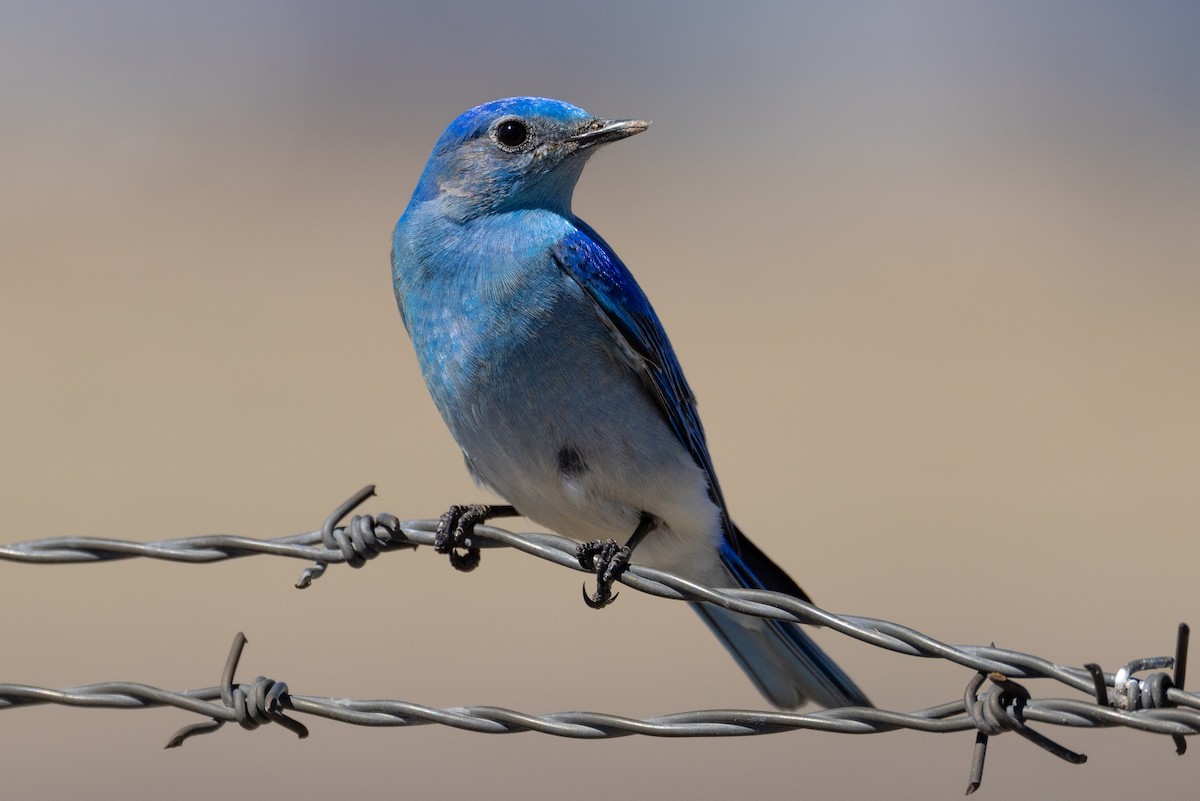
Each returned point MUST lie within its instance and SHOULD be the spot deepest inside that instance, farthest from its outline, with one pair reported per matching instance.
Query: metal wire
(1157, 703)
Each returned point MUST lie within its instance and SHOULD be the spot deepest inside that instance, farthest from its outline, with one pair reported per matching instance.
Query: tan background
(932, 272)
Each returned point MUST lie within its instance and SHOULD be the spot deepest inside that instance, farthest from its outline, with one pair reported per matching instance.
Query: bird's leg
(456, 527)
(610, 560)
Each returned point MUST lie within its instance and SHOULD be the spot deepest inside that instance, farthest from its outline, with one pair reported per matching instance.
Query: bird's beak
(598, 132)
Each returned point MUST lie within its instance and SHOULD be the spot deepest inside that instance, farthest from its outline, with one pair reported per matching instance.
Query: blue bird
(556, 378)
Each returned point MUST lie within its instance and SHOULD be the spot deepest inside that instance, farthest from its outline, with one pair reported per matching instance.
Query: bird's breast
(548, 409)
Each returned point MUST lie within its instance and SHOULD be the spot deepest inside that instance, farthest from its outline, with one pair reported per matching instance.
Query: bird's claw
(609, 560)
(454, 532)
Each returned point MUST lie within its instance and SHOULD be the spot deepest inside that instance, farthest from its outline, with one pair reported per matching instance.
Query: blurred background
(931, 268)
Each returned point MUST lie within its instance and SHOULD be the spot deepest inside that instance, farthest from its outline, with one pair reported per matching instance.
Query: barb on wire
(262, 701)
(1157, 703)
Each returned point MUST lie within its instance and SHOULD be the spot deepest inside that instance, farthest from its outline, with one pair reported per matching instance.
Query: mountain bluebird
(557, 380)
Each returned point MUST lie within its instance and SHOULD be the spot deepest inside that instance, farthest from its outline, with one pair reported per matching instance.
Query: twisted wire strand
(944, 718)
(319, 546)
(993, 702)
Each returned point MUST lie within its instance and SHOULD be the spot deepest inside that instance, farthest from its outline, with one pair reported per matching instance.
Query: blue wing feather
(779, 657)
(588, 259)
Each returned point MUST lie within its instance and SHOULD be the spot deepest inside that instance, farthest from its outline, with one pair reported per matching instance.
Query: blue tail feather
(783, 662)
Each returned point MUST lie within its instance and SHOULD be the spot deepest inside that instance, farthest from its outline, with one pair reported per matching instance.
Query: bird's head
(521, 152)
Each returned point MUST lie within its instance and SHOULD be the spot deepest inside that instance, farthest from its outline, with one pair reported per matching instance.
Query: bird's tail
(786, 666)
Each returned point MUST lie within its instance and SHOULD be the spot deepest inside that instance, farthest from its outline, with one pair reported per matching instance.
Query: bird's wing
(592, 264)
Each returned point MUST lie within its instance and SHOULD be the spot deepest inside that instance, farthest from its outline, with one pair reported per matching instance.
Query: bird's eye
(511, 134)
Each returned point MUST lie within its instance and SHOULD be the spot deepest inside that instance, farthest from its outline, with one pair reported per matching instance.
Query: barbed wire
(993, 701)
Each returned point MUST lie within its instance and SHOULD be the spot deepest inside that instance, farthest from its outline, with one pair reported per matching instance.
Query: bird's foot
(455, 530)
(609, 560)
